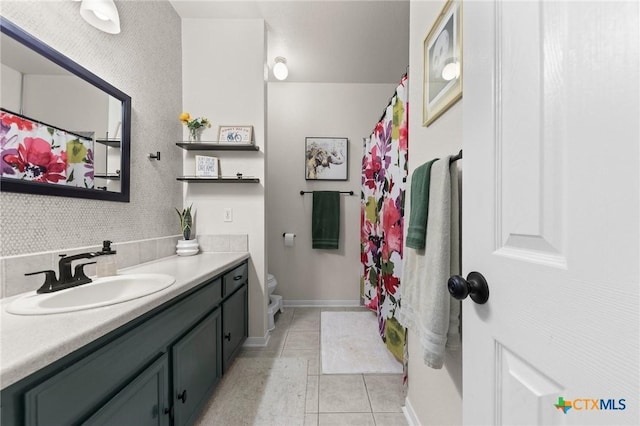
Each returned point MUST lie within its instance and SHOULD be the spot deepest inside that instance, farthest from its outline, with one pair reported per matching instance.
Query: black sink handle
(50, 280)
(79, 274)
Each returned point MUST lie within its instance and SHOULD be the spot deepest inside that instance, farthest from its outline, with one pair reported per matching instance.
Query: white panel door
(551, 212)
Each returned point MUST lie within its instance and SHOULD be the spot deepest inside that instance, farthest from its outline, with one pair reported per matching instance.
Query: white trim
(410, 415)
(322, 303)
(257, 342)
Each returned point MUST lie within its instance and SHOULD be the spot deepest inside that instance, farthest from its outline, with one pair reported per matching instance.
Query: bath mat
(350, 344)
(259, 391)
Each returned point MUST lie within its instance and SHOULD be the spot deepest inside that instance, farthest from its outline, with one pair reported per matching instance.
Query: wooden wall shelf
(217, 180)
(113, 143)
(214, 146)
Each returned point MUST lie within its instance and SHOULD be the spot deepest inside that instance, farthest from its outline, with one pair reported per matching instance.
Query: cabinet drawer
(234, 279)
(76, 391)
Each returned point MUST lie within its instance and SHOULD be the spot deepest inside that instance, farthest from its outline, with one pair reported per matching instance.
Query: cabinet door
(196, 368)
(234, 325)
(142, 402)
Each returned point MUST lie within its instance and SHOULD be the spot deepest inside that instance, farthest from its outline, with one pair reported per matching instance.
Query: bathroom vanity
(151, 361)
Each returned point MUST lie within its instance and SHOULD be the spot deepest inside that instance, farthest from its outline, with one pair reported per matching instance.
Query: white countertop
(29, 343)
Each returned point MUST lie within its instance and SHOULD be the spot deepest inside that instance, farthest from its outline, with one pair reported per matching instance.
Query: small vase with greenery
(186, 221)
(195, 125)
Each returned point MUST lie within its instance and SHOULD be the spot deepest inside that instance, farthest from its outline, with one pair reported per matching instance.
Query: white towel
(426, 306)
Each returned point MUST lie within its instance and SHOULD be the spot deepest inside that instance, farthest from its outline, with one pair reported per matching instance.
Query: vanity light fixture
(280, 70)
(101, 14)
(451, 69)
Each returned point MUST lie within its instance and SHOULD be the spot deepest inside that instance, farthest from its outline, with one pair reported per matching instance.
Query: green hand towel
(419, 210)
(325, 219)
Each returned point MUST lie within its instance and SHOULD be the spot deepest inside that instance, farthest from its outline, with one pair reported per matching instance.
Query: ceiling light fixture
(101, 14)
(280, 70)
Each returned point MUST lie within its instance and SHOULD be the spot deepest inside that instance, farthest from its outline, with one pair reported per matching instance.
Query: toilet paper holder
(289, 239)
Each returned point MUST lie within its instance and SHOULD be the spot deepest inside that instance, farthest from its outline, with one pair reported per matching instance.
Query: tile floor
(344, 399)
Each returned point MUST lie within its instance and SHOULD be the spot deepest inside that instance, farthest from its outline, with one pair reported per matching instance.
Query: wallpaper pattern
(144, 61)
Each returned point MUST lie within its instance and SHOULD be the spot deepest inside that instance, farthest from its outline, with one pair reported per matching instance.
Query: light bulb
(451, 70)
(280, 70)
(101, 14)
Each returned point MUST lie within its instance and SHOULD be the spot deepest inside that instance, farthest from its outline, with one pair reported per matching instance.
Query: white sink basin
(101, 292)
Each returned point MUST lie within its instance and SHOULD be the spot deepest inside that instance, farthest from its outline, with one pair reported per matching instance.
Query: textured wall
(144, 61)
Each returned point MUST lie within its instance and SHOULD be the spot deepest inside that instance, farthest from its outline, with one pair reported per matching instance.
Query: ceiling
(21, 58)
(348, 41)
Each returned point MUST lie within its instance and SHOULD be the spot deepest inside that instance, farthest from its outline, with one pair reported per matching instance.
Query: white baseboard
(409, 414)
(321, 303)
(257, 342)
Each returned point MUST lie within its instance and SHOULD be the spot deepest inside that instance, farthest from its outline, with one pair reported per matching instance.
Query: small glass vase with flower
(195, 126)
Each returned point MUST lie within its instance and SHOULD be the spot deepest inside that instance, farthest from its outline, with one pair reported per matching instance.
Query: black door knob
(183, 396)
(475, 286)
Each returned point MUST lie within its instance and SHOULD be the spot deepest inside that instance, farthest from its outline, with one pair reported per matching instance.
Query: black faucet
(66, 279)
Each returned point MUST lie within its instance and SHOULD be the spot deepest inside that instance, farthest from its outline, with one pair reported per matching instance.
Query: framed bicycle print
(235, 134)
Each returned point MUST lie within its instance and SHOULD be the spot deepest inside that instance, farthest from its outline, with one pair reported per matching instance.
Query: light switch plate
(228, 215)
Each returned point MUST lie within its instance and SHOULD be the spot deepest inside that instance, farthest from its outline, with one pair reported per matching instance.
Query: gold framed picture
(442, 63)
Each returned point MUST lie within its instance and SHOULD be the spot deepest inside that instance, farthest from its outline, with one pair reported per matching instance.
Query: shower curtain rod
(311, 192)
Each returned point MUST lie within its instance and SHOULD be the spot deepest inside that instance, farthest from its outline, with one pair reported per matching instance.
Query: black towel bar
(311, 192)
(455, 158)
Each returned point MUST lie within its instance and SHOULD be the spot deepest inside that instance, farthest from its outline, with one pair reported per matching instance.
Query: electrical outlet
(228, 215)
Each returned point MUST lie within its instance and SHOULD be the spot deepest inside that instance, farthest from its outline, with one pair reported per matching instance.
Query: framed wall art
(442, 63)
(235, 134)
(326, 158)
(207, 166)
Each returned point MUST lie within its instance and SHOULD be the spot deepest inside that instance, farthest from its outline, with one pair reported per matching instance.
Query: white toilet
(275, 301)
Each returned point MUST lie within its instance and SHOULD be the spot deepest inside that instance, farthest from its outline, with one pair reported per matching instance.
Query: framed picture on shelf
(442, 63)
(235, 134)
(326, 159)
(207, 166)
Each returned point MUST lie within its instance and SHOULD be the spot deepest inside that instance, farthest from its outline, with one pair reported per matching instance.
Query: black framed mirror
(64, 130)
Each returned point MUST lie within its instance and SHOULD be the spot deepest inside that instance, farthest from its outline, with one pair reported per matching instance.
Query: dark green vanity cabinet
(234, 312)
(159, 369)
(197, 369)
(139, 403)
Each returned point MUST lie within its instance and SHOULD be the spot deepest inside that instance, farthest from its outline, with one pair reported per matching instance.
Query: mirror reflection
(59, 129)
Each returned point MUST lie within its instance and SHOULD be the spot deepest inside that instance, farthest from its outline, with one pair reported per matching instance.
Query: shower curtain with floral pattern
(384, 173)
